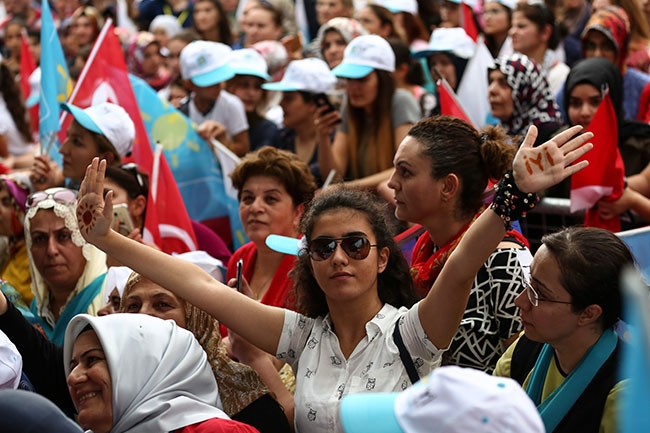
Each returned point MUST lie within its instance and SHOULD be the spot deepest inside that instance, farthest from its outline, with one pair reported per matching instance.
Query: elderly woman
(243, 395)
(166, 385)
(67, 273)
(520, 96)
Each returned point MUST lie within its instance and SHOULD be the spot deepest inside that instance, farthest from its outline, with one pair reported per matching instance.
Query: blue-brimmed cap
(365, 54)
(206, 63)
(307, 75)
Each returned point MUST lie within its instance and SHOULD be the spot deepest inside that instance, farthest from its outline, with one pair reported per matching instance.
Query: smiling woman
(164, 386)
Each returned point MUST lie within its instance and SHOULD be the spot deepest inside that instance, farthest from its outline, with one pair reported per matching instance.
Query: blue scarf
(79, 304)
(562, 399)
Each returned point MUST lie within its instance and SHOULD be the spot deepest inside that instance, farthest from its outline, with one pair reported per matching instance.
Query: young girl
(353, 298)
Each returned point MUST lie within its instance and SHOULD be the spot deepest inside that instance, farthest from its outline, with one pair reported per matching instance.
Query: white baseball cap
(307, 75)
(109, 120)
(363, 55)
(34, 88)
(396, 6)
(206, 63)
(452, 40)
(11, 363)
(248, 61)
(510, 4)
(450, 400)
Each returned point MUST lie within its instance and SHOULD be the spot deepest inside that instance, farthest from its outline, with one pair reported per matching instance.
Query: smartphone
(240, 269)
(322, 99)
(121, 213)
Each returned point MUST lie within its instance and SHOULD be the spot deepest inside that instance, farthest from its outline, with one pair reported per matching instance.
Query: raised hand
(94, 213)
(538, 168)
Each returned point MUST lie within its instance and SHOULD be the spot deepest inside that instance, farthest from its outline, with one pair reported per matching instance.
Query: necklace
(260, 289)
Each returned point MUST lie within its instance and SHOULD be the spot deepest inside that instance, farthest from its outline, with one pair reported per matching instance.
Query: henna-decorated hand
(538, 168)
(94, 215)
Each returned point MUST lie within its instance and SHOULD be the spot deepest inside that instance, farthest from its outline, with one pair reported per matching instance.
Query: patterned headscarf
(614, 23)
(534, 103)
(239, 384)
(348, 28)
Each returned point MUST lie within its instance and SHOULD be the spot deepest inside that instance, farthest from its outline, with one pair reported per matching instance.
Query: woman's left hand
(538, 168)
(94, 213)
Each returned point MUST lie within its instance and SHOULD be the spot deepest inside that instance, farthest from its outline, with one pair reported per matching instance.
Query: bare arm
(442, 309)
(235, 310)
(240, 144)
(640, 182)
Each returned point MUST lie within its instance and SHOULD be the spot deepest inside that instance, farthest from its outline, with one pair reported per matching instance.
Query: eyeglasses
(535, 299)
(356, 247)
(60, 195)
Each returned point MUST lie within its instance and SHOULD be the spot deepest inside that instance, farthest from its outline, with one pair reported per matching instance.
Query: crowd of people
(336, 109)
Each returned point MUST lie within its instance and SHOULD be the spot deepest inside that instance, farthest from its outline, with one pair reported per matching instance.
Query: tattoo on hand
(537, 161)
(86, 217)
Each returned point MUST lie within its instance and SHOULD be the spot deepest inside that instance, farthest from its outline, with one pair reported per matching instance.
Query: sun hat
(453, 40)
(307, 75)
(365, 54)
(109, 120)
(168, 23)
(206, 63)
(34, 81)
(396, 6)
(248, 61)
(450, 400)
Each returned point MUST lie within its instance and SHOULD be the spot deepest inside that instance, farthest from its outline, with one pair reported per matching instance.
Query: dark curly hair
(282, 165)
(394, 285)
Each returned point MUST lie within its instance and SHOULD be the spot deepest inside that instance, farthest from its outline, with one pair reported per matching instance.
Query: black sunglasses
(356, 247)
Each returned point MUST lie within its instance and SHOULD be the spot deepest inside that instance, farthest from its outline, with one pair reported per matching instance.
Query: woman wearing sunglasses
(352, 298)
(67, 273)
(455, 177)
(568, 358)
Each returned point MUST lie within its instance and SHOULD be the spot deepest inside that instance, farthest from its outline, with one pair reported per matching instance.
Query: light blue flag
(197, 172)
(638, 240)
(635, 363)
(56, 85)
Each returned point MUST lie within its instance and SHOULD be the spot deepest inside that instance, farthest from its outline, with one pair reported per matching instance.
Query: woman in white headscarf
(166, 385)
(67, 273)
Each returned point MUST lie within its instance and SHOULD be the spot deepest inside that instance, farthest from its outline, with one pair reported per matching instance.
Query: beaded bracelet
(509, 202)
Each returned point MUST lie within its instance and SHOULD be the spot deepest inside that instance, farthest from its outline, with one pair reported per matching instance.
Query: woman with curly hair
(360, 334)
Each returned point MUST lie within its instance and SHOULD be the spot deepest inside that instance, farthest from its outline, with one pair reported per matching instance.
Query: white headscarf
(95, 259)
(160, 375)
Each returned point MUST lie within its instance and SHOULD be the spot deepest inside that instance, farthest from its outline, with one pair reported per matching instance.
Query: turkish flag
(604, 177)
(468, 21)
(450, 105)
(27, 66)
(105, 78)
